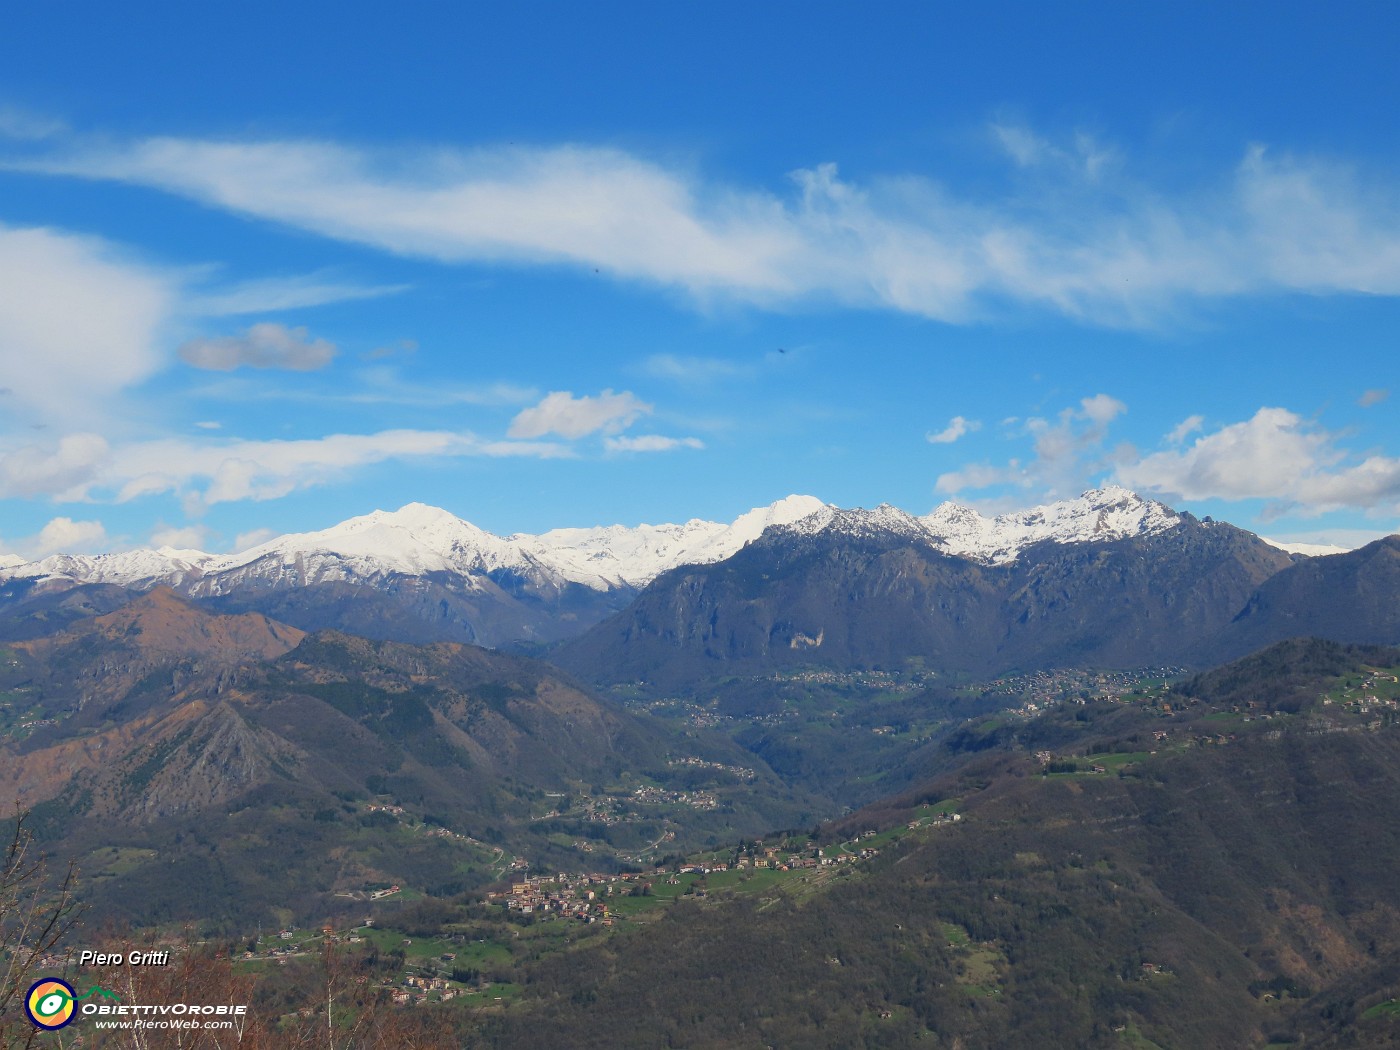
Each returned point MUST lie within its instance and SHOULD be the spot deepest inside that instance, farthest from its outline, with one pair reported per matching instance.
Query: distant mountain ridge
(418, 540)
(871, 590)
(420, 574)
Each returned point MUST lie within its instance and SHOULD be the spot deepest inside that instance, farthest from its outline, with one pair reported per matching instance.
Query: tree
(34, 918)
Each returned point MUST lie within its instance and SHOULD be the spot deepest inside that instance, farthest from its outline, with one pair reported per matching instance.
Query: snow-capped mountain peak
(1108, 513)
(634, 557)
(418, 540)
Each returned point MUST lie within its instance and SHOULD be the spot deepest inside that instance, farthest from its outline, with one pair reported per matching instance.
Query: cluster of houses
(1368, 701)
(570, 896)
(741, 772)
(869, 679)
(654, 796)
(1046, 689)
(417, 990)
(584, 896)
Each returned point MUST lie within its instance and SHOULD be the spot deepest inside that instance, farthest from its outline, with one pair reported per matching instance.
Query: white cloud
(188, 537)
(1068, 452)
(265, 345)
(64, 536)
(1083, 239)
(1185, 429)
(574, 417)
(90, 317)
(650, 443)
(1275, 455)
(69, 465)
(1259, 458)
(252, 538)
(1100, 409)
(598, 207)
(956, 428)
(209, 424)
(84, 467)
(1372, 398)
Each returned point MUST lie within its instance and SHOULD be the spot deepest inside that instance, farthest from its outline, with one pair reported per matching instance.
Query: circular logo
(49, 1003)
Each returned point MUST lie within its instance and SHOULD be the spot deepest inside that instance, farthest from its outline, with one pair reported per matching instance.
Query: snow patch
(1311, 550)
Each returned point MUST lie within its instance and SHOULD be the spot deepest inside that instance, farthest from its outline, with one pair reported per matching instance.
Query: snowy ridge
(1311, 550)
(616, 554)
(1099, 515)
(139, 568)
(418, 540)
(884, 520)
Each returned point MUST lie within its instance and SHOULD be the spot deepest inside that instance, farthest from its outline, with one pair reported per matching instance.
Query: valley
(934, 787)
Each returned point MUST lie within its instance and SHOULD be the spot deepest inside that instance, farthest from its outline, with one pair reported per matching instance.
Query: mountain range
(1108, 578)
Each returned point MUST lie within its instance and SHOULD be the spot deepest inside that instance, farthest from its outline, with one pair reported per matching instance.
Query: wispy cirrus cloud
(690, 370)
(86, 467)
(25, 124)
(1068, 449)
(275, 294)
(650, 443)
(1103, 248)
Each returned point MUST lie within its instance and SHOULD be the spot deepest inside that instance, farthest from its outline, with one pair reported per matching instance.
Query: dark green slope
(1214, 894)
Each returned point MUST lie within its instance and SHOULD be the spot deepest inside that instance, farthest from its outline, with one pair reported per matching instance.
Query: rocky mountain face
(869, 590)
(163, 707)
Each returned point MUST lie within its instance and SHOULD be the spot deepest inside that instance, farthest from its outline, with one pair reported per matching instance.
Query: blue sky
(266, 267)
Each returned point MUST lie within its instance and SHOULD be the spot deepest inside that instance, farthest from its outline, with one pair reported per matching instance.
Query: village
(606, 897)
(1378, 692)
(454, 965)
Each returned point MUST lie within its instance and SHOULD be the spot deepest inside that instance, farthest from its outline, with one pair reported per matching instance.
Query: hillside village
(450, 966)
